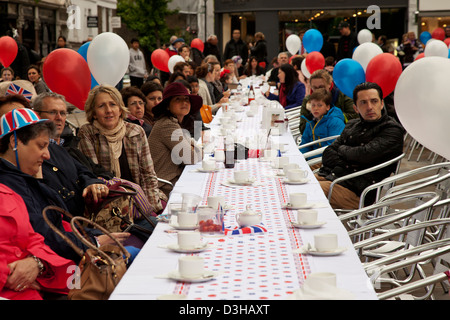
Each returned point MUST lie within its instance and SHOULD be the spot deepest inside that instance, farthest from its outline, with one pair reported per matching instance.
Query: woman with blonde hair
(119, 146)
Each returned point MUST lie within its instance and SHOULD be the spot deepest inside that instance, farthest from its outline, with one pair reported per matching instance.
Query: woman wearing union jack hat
(24, 140)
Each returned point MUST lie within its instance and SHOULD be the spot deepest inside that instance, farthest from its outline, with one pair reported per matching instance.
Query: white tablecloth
(252, 266)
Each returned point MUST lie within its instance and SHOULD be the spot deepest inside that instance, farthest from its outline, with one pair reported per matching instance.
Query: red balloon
(314, 61)
(384, 69)
(8, 50)
(438, 33)
(447, 42)
(67, 73)
(160, 60)
(198, 44)
(420, 56)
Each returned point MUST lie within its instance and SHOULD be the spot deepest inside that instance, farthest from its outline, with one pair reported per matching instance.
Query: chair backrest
(422, 177)
(383, 217)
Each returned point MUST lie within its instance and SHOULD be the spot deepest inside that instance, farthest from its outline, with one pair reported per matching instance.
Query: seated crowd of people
(144, 136)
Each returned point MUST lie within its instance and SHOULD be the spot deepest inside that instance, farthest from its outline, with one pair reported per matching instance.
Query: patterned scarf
(115, 139)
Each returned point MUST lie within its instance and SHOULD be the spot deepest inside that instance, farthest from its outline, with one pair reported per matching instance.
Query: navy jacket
(293, 98)
(37, 196)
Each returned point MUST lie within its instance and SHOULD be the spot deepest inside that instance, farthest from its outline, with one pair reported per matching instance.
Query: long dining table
(262, 264)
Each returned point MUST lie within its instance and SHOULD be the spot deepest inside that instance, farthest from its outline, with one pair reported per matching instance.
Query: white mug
(189, 239)
(208, 165)
(325, 242)
(219, 155)
(187, 219)
(240, 176)
(214, 201)
(191, 266)
(270, 153)
(296, 174)
(298, 199)
(280, 162)
(290, 166)
(321, 280)
(307, 216)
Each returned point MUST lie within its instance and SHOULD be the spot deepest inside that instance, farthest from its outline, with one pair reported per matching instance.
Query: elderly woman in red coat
(27, 266)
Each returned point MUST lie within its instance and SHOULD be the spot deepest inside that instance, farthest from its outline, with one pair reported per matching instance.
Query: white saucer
(175, 247)
(249, 182)
(314, 252)
(306, 206)
(206, 171)
(317, 224)
(206, 276)
(303, 181)
(178, 227)
(225, 207)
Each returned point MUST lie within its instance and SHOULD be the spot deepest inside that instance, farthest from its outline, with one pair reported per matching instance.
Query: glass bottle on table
(229, 152)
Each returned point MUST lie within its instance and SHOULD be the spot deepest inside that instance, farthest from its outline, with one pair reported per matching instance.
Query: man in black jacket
(236, 47)
(372, 139)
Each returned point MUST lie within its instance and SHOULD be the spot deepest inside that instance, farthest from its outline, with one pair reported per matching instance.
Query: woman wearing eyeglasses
(135, 101)
(119, 146)
(171, 146)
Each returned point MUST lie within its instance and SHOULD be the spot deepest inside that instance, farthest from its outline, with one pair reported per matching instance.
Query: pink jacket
(18, 240)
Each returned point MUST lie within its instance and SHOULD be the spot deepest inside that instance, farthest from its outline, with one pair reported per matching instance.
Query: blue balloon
(449, 53)
(83, 52)
(312, 40)
(347, 74)
(424, 37)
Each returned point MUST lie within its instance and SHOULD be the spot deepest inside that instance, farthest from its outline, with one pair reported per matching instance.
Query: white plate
(206, 171)
(306, 206)
(314, 252)
(175, 247)
(318, 224)
(225, 207)
(303, 181)
(207, 276)
(178, 227)
(249, 182)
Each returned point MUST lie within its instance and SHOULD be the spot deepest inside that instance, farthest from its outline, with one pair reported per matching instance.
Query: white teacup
(325, 242)
(219, 155)
(290, 166)
(270, 153)
(191, 266)
(280, 162)
(307, 216)
(214, 201)
(189, 239)
(319, 281)
(279, 146)
(224, 120)
(187, 219)
(241, 176)
(295, 175)
(298, 199)
(208, 165)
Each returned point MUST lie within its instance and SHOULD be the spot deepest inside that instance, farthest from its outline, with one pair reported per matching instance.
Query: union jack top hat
(16, 119)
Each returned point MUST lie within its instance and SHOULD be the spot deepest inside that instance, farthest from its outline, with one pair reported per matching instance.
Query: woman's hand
(23, 274)
(97, 191)
(119, 236)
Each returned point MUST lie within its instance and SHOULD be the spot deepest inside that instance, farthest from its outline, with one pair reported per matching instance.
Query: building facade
(278, 19)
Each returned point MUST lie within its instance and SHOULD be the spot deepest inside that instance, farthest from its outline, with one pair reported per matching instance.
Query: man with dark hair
(236, 47)
(372, 139)
(137, 67)
(347, 43)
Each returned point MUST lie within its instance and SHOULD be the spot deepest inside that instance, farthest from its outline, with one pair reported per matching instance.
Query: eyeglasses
(135, 103)
(54, 113)
(159, 99)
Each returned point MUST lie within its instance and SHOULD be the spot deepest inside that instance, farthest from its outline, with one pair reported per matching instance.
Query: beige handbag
(100, 268)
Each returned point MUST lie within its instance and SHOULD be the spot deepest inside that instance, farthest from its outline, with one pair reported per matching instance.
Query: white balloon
(436, 48)
(173, 60)
(365, 52)
(305, 70)
(364, 36)
(293, 43)
(421, 103)
(108, 58)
